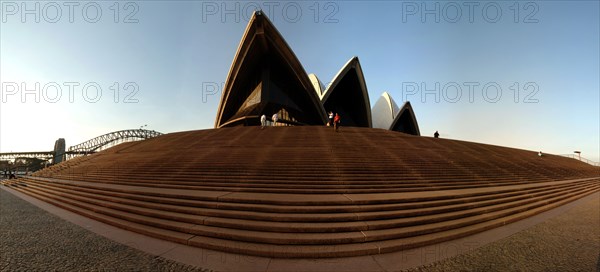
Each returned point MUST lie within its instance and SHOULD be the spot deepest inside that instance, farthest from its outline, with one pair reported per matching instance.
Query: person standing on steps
(263, 121)
(275, 117)
(336, 121)
(330, 123)
(436, 134)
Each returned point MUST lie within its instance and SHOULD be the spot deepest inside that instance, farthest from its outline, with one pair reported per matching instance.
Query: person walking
(330, 123)
(275, 117)
(263, 121)
(336, 121)
(436, 134)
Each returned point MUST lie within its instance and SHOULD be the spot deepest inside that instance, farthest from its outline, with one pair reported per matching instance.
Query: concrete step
(329, 245)
(345, 186)
(379, 220)
(301, 199)
(176, 201)
(351, 213)
(308, 192)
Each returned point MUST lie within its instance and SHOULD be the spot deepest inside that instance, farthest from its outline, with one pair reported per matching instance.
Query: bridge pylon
(59, 151)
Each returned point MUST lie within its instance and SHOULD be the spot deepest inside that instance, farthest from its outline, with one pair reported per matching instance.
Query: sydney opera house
(298, 190)
(267, 78)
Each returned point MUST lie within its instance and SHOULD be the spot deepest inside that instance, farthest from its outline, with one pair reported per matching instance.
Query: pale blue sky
(171, 51)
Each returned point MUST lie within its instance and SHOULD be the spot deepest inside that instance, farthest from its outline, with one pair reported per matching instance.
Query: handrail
(576, 157)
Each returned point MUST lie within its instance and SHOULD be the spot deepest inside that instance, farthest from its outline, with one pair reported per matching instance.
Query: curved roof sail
(384, 111)
(317, 84)
(266, 78)
(347, 95)
(406, 121)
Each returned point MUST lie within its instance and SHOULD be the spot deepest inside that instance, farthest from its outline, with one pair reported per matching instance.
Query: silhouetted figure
(263, 121)
(330, 123)
(436, 134)
(336, 121)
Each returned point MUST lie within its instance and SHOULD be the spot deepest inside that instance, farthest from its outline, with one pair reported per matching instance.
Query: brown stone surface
(567, 242)
(570, 228)
(306, 192)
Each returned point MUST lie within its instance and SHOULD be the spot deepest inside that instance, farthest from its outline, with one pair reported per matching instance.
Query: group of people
(334, 120)
(263, 120)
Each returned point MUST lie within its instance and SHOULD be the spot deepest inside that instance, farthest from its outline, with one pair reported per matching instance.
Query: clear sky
(527, 72)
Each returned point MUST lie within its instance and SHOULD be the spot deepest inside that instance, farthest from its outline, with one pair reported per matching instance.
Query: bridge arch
(110, 139)
(88, 147)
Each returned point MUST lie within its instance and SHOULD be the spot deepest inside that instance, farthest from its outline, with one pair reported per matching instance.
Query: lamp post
(142, 127)
(578, 154)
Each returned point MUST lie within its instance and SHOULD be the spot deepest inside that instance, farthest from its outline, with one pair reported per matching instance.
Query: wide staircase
(308, 192)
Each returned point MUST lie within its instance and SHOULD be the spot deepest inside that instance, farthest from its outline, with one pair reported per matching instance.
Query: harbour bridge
(60, 153)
